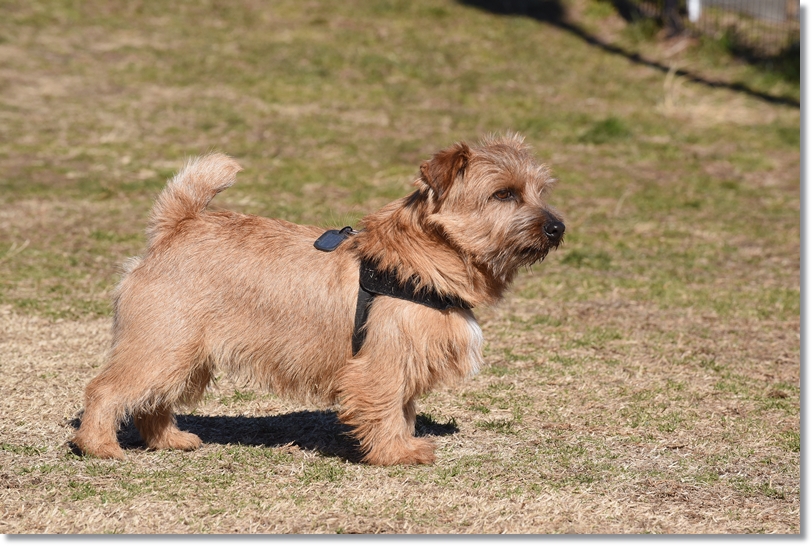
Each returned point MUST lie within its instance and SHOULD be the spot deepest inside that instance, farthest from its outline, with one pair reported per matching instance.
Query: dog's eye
(504, 195)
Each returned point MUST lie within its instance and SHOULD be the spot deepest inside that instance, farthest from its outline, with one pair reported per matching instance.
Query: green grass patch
(502, 426)
(586, 258)
(22, 449)
(322, 472)
(791, 441)
(238, 397)
(608, 130)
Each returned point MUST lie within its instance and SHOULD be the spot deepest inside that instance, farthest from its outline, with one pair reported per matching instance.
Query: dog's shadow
(319, 431)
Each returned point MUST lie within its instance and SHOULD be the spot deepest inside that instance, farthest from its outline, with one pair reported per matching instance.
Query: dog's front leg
(376, 402)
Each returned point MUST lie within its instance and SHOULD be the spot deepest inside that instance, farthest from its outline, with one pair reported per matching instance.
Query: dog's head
(490, 202)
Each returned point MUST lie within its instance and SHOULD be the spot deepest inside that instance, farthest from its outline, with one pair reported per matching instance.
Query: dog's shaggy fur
(253, 296)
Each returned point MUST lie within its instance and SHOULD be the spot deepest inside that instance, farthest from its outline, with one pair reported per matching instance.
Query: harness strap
(359, 332)
(373, 282)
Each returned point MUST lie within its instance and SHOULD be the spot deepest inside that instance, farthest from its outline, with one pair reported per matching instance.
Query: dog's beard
(508, 261)
(530, 255)
(536, 253)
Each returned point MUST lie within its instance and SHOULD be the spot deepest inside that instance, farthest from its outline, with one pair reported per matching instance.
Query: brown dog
(253, 296)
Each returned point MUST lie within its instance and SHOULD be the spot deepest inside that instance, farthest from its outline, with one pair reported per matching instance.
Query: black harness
(374, 282)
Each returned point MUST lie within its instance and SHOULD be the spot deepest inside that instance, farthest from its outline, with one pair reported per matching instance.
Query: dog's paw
(422, 452)
(178, 439)
(416, 451)
(101, 451)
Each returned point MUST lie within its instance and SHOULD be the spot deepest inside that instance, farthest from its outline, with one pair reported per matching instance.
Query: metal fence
(761, 28)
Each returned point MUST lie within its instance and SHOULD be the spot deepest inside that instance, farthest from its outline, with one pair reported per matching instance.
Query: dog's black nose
(554, 231)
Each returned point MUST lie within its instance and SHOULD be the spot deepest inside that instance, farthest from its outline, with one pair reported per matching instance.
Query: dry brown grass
(585, 442)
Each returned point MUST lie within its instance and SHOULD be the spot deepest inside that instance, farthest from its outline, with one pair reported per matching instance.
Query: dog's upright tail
(189, 192)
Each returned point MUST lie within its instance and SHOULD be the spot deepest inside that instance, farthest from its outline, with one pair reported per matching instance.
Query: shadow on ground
(554, 13)
(319, 431)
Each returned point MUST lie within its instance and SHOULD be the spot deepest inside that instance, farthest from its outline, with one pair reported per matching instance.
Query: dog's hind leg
(157, 424)
(159, 430)
(109, 398)
(147, 386)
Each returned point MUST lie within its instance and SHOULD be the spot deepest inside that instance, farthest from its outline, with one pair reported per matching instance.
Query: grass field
(644, 379)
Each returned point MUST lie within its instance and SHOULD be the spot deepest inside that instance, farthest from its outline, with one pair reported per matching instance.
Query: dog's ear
(441, 170)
